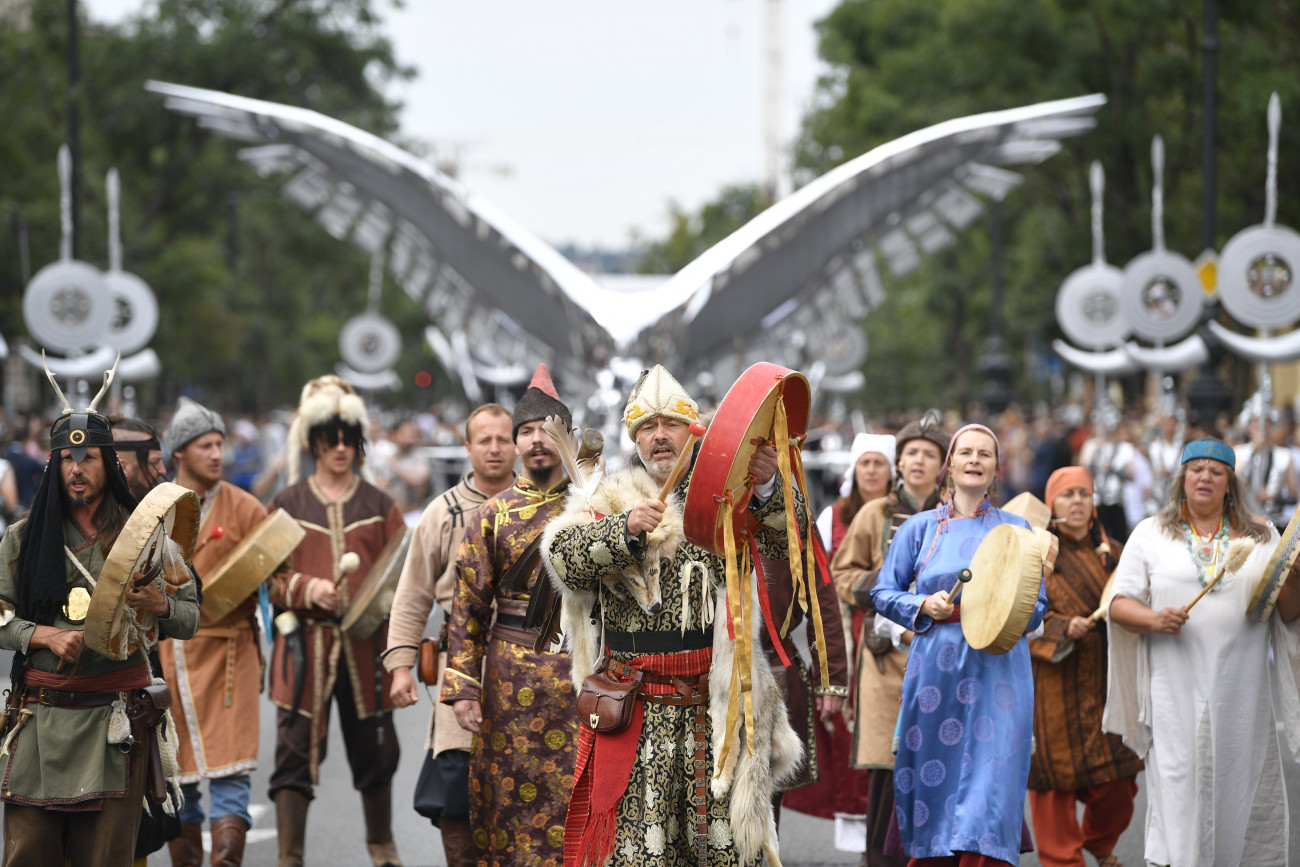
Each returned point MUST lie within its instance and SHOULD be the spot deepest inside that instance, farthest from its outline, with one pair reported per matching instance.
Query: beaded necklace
(1205, 552)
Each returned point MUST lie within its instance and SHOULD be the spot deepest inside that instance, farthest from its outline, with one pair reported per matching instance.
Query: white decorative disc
(135, 312)
(1088, 307)
(370, 343)
(1162, 296)
(1258, 277)
(67, 306)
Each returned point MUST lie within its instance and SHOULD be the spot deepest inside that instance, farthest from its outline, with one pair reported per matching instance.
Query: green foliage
(897, 66)
(691, 234)
(252, 293)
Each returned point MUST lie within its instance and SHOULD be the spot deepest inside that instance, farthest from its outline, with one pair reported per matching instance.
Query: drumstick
(217, 532)
(683, 458)
(1238, 551)
(962, 577)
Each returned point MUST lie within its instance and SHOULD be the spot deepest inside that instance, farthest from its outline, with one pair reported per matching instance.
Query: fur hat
(538, 403)
(927, 427)
(656, 393)
(324, 399)
(190, 421)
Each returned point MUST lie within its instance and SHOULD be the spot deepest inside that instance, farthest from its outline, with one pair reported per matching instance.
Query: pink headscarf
(952, 444)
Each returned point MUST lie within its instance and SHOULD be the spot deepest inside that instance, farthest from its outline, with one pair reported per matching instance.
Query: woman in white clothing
(1190, 691)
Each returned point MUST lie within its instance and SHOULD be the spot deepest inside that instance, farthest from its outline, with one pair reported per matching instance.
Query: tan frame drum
(250, 563)
(1269, 588)
(371, 605)
(1006, 573)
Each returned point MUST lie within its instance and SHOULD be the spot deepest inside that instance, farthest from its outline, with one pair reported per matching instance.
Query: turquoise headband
(1212, 449)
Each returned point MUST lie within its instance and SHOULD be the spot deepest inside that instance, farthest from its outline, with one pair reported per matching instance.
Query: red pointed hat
(539, 401)
(542, 381)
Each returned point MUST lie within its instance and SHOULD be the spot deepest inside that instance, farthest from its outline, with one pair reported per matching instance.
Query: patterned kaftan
(1072, 752)
(521, 771)
(655, 817)
(966, 720)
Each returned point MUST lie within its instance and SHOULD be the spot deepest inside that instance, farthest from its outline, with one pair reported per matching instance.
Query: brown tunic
(216, 676)
(1070, 695)
(360, 521)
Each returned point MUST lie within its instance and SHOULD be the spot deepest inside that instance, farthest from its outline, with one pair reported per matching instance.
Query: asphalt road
(335, 832)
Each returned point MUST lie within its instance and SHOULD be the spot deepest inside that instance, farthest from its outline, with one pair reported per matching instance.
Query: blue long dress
(966, 723)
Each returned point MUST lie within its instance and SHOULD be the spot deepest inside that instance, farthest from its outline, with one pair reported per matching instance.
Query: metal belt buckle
(40, 697)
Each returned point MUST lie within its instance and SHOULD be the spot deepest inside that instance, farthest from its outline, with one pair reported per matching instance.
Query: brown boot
(458, 842)
(291, 825)
(228, 841)
(187, 849)
(377, 806)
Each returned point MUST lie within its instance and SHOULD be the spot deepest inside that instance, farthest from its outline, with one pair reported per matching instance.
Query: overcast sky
(583, 119)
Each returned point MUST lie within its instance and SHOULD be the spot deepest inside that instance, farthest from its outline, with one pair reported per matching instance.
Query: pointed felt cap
(539, 401)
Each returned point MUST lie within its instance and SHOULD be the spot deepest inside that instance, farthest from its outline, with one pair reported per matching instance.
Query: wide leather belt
(669, 641)
(62, 698)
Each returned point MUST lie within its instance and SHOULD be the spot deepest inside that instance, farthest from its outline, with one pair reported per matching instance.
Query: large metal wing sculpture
(793, 285)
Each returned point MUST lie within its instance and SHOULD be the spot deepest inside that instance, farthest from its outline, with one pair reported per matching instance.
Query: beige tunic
(429, 576)
(216, 676)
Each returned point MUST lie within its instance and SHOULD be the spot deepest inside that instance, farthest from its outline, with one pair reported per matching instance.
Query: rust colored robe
(360, 521)
(216, 676)
(1070, 694)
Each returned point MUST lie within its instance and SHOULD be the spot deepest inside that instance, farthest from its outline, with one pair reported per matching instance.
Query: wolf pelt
(616, 493)
(778, 751)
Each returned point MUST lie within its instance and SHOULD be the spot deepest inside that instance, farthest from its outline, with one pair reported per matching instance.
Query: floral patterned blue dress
(965, 730)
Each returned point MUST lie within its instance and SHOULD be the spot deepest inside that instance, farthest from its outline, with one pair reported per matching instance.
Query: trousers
(1108, 808)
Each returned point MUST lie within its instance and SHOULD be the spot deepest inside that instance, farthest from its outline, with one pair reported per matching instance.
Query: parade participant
(963, 752)
(828, 787)
(518, 702)
(635, 799)
(855, 566)
(1190, 692)
(71, 796)
(1074, 761)
(316, 664)
(140, 453)
(217, 675)
(430, 576)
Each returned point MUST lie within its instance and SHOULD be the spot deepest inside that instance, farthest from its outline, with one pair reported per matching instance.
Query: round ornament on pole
(1162, 295)
(1257, 273)
(370, 343)
(1088, 304)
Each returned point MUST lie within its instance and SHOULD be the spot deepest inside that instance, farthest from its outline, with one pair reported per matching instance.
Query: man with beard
(140, 454)
(347, 521)
(71, 796)
(879, 684)
(217, 675)
(642, 795)
(520, 703)
(429, 575)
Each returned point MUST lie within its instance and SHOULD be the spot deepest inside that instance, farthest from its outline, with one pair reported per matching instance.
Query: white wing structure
(792, 286)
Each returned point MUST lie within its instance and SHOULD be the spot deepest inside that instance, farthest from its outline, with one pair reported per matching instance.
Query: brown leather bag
(605, 704)
(426, 667)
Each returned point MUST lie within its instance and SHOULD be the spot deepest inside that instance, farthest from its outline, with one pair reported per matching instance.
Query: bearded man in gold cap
(315, 664)
(519, 704)
(639, 797)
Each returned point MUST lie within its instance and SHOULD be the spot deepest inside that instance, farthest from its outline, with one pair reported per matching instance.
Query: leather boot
(457, 842)
(228, 841)
(291, 825)
(377, 806)
(187, 849)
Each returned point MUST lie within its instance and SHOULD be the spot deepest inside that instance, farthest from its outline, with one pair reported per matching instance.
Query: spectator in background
(245, 455)
(8, 494)
(403, 472)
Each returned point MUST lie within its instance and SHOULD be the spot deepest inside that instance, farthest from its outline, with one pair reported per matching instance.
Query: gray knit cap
(190, 421)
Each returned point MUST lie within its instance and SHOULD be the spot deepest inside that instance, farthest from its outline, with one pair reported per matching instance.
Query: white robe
(1198, 706)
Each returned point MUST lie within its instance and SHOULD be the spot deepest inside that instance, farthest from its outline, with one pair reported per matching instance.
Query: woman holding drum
(1190, 689)
(1073, 760)
(965, 721)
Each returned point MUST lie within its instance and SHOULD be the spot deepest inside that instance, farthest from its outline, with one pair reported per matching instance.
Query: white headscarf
(881, 444)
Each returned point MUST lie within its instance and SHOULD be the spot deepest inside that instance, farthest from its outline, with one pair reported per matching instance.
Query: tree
(252, 293)
(692, 234)
(897, 66)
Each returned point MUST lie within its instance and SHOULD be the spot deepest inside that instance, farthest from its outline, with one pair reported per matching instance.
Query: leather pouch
(426, 667)
(605, 704)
